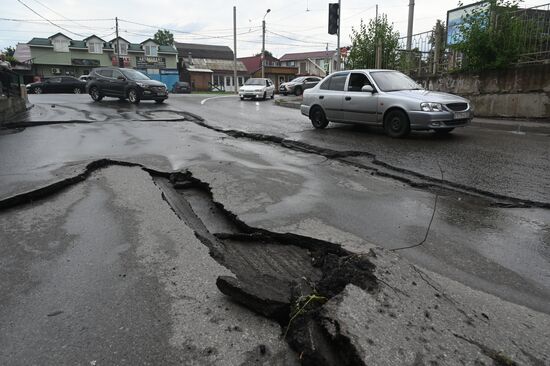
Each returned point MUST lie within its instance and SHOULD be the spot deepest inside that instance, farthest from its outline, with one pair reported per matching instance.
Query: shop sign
(125, 60)
(144, 62)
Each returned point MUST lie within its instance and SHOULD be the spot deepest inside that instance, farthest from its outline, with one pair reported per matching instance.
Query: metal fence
(533, 34)
(429, 54)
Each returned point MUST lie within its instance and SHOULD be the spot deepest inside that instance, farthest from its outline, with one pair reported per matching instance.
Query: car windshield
(297, 80)
(255, 82)
(393, 81)
(134, 75)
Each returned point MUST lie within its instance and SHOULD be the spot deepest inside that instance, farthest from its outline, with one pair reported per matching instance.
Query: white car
(257, 88)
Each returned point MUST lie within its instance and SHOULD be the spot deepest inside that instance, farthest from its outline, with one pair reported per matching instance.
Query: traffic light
(333, 18)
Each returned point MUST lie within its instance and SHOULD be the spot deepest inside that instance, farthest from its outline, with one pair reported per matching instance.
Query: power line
(61, 15)
(40, 21)
(52, 23)
(295, 39)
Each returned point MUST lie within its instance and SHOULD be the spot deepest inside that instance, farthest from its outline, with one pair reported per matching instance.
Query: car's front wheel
(298, 91)
(272, 95)
(397, 124)
(133, 96)
(265, 96)
(77, 90)
(37, 90)
(318, 118)
(159, 101)
(94, 93)
(444, 131)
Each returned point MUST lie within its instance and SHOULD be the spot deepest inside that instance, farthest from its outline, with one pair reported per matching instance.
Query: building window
(290, 63)
(95, 47)
(151, 50)
(123, 49)
(60, 45)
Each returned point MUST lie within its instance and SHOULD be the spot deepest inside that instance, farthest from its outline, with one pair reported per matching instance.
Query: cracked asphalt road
(498, 250)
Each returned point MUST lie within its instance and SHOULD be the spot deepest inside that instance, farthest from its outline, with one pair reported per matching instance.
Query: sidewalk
(489, 123)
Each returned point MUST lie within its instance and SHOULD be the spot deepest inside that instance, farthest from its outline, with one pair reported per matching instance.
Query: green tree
(437, 43)
(365, 40)
(164, 37)
(9, 52)
(494, 36)
(266, 54)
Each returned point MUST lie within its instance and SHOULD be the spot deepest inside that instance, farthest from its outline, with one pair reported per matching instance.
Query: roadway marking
(221, 96)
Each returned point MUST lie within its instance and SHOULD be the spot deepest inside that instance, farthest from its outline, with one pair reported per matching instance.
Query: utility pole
(410, 25)
(262, 58)
(235, 82)
(117, 45)
(378, 47)
(339, 59)
(263, 46)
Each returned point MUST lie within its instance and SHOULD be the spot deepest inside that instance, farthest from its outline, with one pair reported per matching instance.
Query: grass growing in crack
(300, 310)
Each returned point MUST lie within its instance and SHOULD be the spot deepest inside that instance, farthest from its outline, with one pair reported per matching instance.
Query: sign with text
(150, 62)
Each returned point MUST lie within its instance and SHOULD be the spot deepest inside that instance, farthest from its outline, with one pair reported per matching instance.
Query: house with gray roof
(209, 67)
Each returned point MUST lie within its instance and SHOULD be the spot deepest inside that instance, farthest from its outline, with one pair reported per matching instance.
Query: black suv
(124, 83)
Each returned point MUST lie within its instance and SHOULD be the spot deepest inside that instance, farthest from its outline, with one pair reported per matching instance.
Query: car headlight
(144, 86)
(28, 86)
(431, 107)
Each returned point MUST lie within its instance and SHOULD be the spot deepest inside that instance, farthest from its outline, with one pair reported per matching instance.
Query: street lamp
(263, 42)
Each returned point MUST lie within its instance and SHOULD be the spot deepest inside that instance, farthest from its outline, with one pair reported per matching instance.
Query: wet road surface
(503, 251)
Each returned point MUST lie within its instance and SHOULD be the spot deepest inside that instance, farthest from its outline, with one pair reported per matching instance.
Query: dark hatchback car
(124, 84)
(181, 87)
(61, 84)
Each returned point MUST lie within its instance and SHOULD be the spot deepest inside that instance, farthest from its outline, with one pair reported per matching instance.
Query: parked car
(385, 98)
(298, 85)
(61, 84)
(257, 88)
(83, 78)
(124, 84)
(181, 87)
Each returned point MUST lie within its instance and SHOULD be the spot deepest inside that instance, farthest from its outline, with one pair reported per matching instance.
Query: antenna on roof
(307, 5)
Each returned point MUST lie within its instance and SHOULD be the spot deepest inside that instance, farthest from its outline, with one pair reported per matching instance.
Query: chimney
(189, 58)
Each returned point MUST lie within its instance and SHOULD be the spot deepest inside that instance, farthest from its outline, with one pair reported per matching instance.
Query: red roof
(306, 55)
(254, 63)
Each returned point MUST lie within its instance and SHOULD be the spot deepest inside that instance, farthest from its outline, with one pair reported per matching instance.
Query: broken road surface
(167, 241)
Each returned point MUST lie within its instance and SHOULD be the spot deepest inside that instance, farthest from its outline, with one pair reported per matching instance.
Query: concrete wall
(10, 107)
(520, 92)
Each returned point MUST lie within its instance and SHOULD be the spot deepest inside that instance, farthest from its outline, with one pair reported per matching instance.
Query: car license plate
(462, 115)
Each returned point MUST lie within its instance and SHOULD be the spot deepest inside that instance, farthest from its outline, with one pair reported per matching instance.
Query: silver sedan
(385, 98)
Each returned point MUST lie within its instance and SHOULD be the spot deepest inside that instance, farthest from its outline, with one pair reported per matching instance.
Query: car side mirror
(121, 78)
(367, 89)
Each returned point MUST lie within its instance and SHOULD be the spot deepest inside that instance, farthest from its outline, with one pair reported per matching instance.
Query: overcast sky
(292, 25)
